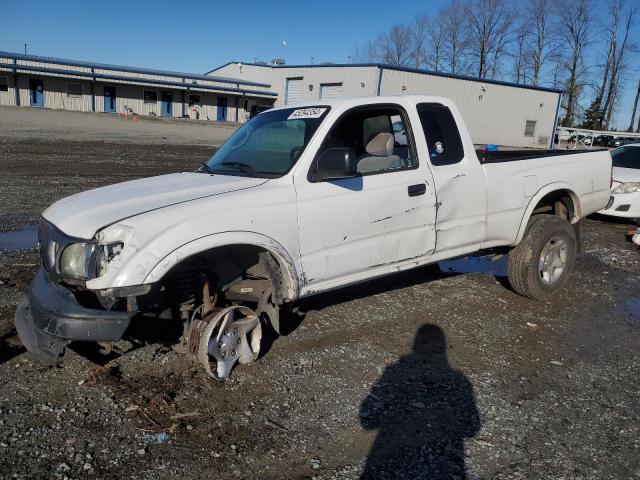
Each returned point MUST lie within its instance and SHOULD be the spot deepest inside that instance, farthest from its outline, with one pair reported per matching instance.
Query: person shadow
(423, 411)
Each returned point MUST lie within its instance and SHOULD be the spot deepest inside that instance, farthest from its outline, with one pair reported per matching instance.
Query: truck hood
(83, 214)
(626, 175)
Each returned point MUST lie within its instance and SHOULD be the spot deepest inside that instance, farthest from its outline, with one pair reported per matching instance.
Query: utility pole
(635, 108)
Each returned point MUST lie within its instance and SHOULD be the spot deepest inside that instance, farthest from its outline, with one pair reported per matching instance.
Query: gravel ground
(423, 374)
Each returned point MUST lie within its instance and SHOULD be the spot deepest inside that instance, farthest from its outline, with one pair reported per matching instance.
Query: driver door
(355, 228)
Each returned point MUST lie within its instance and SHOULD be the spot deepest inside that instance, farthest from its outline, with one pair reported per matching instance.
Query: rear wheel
(545, 257)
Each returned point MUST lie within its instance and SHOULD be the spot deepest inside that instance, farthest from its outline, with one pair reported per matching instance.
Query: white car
(301, 200)
(625, 191)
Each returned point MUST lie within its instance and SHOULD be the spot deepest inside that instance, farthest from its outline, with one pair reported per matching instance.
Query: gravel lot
(423, 374)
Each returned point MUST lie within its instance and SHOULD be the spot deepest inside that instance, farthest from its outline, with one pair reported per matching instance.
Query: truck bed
(514, 155)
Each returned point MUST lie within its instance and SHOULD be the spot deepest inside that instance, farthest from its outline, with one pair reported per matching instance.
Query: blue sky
(196, 36)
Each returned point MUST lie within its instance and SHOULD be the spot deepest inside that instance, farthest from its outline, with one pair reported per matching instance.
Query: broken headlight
(630, 187)
(106, 253)
(75, 260)
(87, 260)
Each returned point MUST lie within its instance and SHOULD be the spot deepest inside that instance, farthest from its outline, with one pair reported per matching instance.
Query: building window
(530, 128)
(74, 90)
(195, 100)
(150, 96)
(4, 84)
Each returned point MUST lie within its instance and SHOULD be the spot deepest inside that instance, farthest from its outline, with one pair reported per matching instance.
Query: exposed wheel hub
(227, 335)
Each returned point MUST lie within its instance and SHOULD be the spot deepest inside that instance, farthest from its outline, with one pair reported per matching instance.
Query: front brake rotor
(231, 334)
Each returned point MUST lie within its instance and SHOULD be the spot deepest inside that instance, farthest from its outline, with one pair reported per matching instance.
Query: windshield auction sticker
(306, 113)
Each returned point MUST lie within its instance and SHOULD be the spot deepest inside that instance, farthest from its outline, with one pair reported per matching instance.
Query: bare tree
(489, 24)
(420, 40)
(456, 39)
(635, 108)
(537, 14)
(620, 50)
(574, 22)
(396, 46)
(520, 56)
(436, 42)
(367, 53)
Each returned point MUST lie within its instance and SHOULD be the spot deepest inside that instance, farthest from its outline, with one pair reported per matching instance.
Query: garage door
(295, 92)
(330, 90)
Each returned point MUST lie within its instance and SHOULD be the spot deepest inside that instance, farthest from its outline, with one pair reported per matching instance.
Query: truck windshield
(269, 144)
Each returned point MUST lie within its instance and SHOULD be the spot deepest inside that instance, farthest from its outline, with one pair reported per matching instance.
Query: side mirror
(336, 163)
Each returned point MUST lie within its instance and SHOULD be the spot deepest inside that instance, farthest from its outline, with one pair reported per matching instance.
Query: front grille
(623, 208)
(51, 242)
(47, 247)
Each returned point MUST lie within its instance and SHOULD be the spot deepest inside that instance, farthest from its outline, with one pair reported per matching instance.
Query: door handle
(415, 190)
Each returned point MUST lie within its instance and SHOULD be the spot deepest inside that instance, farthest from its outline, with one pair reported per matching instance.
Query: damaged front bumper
(50, 317)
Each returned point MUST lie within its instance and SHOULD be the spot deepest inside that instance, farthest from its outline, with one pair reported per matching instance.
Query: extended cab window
(378, 136)
(441, 133)
(269, 144)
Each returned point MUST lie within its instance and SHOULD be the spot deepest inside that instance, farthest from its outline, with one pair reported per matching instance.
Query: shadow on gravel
(423, 410)
(9, 351)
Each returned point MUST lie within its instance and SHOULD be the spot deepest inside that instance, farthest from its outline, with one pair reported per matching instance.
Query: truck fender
(539, 195)
(291, 280)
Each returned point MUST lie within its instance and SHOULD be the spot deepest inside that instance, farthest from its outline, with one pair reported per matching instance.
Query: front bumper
(625, 205)
(50, 317)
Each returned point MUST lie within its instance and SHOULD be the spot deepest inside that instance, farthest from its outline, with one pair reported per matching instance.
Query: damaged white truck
(298, 201)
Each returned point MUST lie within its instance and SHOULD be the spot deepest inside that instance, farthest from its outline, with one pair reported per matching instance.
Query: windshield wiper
(203, 168)
(240, 166)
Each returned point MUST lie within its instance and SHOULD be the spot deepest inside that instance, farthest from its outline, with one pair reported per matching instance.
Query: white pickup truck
(300, 200)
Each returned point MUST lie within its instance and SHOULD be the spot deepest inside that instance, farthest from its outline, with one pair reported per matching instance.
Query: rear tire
(541, 263)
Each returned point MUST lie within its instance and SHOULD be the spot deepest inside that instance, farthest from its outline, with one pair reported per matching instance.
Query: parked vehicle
(620, 141)
(298, 201)
(603, 140)
(625, 192)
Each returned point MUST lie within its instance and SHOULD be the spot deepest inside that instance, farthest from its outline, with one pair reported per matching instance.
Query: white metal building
(43, 82)
(495, 112)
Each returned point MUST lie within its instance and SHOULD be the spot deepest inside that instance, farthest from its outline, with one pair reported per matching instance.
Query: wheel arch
(546, 200)
(288, 270)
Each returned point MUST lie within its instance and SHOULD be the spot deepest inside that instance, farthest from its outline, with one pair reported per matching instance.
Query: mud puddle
(630, 311)
(485, 265)
(25, 238)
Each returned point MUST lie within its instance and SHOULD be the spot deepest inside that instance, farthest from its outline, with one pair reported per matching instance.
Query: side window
(377, 135)
(441, 133)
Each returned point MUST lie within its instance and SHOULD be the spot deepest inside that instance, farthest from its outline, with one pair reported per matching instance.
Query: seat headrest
(381, 145)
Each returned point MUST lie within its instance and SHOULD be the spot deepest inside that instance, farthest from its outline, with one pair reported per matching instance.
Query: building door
(167, 104)
(36, 92)
(222, 109)
(330, 90)
(109, 99)
(294, 90)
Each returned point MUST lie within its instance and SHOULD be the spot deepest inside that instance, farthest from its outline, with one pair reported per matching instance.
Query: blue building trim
(147, 71)
(403, 69)
(143, 81)
(15, 83)
(555, 121)
(380, 70)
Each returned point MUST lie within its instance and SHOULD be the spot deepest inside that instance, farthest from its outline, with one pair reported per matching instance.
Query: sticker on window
(306, 113)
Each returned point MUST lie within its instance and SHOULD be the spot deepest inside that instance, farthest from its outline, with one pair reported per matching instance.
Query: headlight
(74, 260)
(630, 187)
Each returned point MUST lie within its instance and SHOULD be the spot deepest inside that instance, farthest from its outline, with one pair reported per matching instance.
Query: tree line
(566, 44)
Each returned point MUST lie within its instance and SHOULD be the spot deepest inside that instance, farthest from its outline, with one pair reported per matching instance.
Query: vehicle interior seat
(379, 155)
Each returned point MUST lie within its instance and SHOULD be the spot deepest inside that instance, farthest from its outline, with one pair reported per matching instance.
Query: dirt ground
(425, 374)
